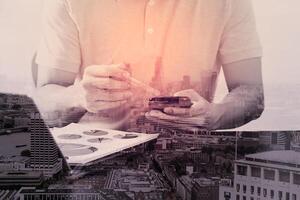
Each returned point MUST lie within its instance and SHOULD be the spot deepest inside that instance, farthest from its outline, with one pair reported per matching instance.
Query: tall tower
(186, 82)
(44, 151)
(156, 81)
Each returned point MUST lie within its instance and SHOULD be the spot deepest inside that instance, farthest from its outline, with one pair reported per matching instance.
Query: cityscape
(180, 164)
(68, 156)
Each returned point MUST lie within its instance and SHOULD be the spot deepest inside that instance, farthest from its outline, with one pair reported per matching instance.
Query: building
(135, 181)
(15, 179)
(266, 176)
(78, 194)
(226, 190)
(169, 172)
(14, 163)
(19, 114)
(7, 194)
(275, 140)
(184, 186)
(205, 189)
(44, 151)
(295, 141)
(189, 188)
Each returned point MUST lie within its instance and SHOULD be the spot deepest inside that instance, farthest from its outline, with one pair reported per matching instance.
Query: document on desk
(82, 144)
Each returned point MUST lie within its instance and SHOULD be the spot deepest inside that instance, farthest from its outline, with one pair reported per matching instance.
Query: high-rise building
(265, 176)
(19, 113)
(156, 81)
(44, 151)
(275, 140)
(295, 140)
(186, 82)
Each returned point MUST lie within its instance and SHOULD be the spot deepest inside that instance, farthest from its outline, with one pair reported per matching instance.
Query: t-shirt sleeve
(240, 40)
(59, 46)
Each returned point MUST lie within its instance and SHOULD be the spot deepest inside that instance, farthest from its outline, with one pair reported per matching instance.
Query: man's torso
(186, 34)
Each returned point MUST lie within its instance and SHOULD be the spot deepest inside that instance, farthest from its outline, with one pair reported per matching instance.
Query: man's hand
(195, 116)
(104, 87)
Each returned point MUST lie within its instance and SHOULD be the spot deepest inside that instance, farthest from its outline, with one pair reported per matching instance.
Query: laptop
(75, 144)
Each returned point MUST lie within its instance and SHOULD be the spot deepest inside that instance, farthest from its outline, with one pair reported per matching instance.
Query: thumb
(199, 107)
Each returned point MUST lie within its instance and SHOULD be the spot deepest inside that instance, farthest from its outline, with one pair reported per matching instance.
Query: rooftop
(105, 194)
(284, 157)
(10, 159)
(20, 174)
(206, 182)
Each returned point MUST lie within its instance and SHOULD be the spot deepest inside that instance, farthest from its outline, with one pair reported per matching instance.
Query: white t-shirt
(193, 37)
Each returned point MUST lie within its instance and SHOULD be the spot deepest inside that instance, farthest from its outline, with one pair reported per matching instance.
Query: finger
(125, 66)
(199, 108)
(105, 84)
(191, 121)
(177, 111)
(102, 95)
(196, 109)
(183, 126)
(177, 121)
(117, 72)
(161, 115)
(98, 106)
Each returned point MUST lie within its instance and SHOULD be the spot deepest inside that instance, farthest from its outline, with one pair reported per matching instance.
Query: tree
(26, 153)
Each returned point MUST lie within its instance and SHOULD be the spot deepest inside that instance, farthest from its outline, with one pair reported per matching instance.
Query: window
(280, 195)
(287, 196)
(244, 188)
(251, 198)
(242, 170)
(272, 194)
(258, 191)
(297, 179)
(237, 197)
(294, 197)
(265, 192)
(227, 195)
(274, 138)
(255, 172)
(238, 187)
(284, 176)
(252, 189)
(244, 198)
(269, 174)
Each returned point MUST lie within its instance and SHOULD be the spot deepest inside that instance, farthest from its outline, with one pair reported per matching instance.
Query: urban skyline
(188, 165)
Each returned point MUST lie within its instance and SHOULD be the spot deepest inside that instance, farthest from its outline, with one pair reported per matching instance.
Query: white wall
(277, 21)
(20, 23)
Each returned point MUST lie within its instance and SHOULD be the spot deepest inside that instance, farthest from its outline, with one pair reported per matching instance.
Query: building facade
(266, 176)
(44, 151)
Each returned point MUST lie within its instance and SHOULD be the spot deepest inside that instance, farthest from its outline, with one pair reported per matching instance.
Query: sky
(277, 23)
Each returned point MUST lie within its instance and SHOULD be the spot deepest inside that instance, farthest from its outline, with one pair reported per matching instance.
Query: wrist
(76, 95)
(214, 115)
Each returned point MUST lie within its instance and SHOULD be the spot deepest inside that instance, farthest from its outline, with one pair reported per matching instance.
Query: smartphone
(159, 103)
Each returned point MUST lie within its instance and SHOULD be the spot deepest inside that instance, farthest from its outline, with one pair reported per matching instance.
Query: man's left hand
(198, 115)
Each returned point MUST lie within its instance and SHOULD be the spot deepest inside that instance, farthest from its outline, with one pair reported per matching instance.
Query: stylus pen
(142, 85)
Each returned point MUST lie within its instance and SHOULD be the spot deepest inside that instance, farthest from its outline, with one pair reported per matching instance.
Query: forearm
(60, 105)
(242, 105)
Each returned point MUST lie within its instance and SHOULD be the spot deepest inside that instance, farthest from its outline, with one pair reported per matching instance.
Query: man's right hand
(105, 87)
